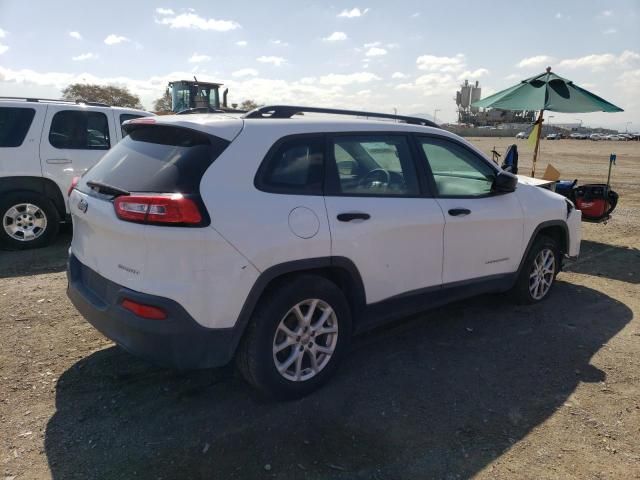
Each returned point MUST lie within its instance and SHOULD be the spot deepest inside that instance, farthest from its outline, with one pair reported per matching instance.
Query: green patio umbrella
(546, 91)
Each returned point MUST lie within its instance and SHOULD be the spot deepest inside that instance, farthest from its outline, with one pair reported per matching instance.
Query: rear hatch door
(155, 158)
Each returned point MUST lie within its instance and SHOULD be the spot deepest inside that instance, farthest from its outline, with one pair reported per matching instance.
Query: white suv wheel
(305, 340)
(24, 222)
(542, 274)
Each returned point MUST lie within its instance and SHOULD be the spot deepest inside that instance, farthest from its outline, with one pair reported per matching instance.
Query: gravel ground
(480, 388)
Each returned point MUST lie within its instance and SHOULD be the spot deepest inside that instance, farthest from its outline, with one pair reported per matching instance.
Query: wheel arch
(43, 186)
(339, 270)
(556, 229)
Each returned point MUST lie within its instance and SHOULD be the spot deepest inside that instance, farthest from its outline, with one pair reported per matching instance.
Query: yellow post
(537, 147)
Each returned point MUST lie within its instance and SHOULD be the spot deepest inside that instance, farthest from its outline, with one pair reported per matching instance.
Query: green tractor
(192, 96)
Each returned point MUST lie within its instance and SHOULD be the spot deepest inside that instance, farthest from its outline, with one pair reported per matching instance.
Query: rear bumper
(177, 341)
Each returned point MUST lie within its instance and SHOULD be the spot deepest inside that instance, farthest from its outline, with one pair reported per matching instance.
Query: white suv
(43, 144)
(275, 237)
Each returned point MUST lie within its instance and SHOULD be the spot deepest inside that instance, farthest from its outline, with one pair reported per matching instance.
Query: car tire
(538, 274)
(276, 324)
(28, 220)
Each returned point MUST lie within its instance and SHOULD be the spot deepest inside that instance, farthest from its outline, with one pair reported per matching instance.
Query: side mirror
(504, 182)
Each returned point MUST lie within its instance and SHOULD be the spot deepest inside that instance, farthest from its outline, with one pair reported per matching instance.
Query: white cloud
(372, 44)
(606, 13)
(415, 15)
(164, 11)
(375, 52)
(193, 20)
(353, 13)
(277, 61)
(513, 76)
(536, 61)
(559, 15)
(280, 43)
(610, 31)
(3, 33)
(341, 79)
(433, 63)
(3, 48)
(398, 75)
(242, 43)
(597, 62)
(199, 58)
(84, 56)
(75, 35)
(475, 74)
(336, 37)
(114, 39)
(245, 72)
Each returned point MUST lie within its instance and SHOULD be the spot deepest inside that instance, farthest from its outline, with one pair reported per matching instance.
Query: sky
(376, 55)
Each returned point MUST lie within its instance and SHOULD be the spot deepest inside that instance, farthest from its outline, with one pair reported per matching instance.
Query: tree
(109, 94)
(163, 104)
(248, 105)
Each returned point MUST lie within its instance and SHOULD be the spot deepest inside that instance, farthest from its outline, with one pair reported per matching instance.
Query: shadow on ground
(437, 396)
(615, 262)
(40, 260)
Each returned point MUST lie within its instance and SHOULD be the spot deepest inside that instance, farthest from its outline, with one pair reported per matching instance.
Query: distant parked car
(553, 136)
(613, 137)
(595, 137)
(578, 136)
(522, 135)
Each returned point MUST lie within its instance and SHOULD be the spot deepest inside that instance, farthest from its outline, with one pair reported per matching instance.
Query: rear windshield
(14, 125)
(160, 159)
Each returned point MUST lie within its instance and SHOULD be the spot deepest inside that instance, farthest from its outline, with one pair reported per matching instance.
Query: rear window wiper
(107, 189)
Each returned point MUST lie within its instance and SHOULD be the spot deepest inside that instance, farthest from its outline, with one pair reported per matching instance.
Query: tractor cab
(192, 94)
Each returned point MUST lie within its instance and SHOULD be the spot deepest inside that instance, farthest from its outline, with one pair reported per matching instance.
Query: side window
(373, 165)
(14, 125)
(295, 167)
(124, 117)
(457, 171)
(79, 130)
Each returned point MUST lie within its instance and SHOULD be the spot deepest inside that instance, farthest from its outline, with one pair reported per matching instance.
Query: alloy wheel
(542, 273)
(24, 222)
(305, 340)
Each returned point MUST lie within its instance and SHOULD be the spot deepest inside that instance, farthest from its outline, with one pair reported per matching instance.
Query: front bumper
(177, 341)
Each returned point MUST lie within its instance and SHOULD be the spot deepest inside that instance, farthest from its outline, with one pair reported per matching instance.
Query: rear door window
(373, 164)
(14, 125)
(157, 159)
(78, 130)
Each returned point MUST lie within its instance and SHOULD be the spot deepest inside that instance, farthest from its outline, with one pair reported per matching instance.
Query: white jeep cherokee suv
(43, 144)
(274, 237)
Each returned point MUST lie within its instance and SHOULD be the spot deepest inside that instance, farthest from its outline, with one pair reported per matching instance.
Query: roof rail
(76, 102)
(287, 111)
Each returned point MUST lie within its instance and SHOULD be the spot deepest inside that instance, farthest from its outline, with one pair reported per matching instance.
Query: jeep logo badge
(83, 205)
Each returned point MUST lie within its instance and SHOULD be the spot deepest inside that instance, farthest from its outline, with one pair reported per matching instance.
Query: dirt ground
(480, 389)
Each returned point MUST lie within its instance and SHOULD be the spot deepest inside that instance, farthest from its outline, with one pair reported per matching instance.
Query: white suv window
(294, 166)
(79, 130)
(457, 172)
(14, 125)
(373, 164)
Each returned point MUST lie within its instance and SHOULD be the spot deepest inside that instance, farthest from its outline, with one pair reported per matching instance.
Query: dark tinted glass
(124, 117)
(158, 159)
(79, 130)
(296, 166)
(14, 125)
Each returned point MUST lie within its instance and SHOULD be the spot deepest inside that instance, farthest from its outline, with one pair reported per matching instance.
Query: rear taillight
(172, 208)
(145, 311)
(74, 184)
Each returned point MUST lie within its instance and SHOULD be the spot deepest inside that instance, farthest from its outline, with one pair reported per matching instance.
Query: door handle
(347, 217)
(459, 212)
(58, 161)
